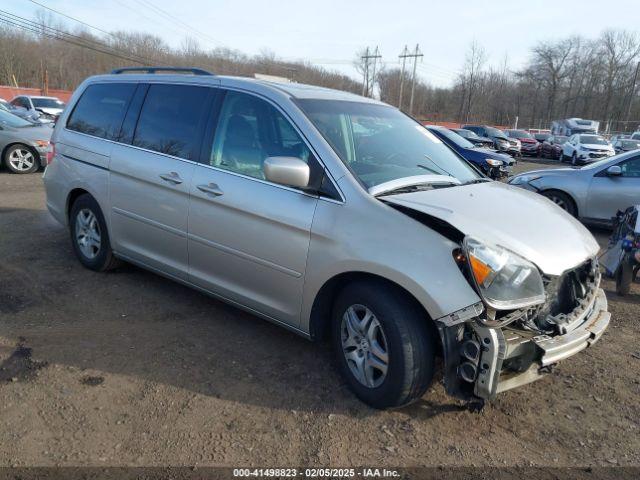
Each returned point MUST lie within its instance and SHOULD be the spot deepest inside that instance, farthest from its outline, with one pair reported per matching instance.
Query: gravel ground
(129, 368)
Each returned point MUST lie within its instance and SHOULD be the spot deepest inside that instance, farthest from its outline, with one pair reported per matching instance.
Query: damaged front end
(487, 351)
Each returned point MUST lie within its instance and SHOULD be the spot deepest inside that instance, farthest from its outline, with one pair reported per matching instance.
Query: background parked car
(23, 144)
(32, 116)
(500, 141)
(586, 148)
(48, 107)
(552, 146)
(473, 138)
(491, 163)
(593, 193)
(541, 137)
(635, 135)
(529, 145)
(624, 145)
(621, 136)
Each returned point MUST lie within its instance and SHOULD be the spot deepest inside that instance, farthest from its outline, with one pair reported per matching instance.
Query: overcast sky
(329, 32)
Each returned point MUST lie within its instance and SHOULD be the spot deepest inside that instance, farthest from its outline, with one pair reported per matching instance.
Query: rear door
(150, 178)
(608, 194)
(248, 237)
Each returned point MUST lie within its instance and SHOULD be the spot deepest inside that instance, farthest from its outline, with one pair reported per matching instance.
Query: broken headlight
(505, 281)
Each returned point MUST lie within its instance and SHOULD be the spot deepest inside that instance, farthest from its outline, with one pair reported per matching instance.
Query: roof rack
(194, 71)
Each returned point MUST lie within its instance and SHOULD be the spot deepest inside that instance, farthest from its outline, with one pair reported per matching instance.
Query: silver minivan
(333, 215)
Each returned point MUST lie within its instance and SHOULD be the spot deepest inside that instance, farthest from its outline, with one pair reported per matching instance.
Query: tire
(21, 159)
(563, 200)
(402, 331)
(624, 276)
(89, 235)
(574, 159)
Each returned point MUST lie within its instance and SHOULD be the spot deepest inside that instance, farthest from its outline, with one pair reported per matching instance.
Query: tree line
(571, 77)
(595, 79)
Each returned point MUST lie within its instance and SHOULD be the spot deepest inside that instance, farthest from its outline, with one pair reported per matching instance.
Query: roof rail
(195, 71)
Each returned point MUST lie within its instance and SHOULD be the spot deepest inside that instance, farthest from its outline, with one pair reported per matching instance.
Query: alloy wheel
(21, 160)
(364, 346)
(88, 233)
(559, 201)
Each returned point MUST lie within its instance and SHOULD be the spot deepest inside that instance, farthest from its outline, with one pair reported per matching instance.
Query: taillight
(51, 152)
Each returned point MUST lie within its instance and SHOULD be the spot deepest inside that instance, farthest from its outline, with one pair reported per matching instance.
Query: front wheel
(561, 199)
(384, 346)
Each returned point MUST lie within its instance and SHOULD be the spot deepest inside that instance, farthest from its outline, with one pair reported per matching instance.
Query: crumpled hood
(524, 222)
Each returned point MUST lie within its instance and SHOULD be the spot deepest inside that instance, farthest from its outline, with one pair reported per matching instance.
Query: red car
(530, 146)
(552, 146)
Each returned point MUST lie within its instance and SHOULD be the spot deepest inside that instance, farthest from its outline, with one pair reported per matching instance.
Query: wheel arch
(72, 197)
(321, 310)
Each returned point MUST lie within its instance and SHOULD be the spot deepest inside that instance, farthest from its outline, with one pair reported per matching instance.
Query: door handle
(210, 188)
(172, 177)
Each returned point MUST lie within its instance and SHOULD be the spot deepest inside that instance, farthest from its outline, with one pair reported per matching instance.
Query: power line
(73, 18)
(49, 32)
(56, 31)
(168, 16)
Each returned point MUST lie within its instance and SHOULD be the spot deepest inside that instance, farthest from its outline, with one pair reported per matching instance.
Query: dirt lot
(128, 368)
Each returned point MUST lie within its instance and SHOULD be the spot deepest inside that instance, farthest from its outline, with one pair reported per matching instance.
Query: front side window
(379, 143)
(101, 109)
(249, 130)
(170, 118)
(631, 168)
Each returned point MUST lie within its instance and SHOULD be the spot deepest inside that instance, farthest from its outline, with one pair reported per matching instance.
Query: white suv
(586, 148)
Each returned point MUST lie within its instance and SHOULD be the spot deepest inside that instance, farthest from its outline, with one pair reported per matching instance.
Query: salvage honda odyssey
(332, 215)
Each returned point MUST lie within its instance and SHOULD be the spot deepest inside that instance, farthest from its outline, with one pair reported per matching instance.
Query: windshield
(593, 139)
(454, 137)
(519, 134)
(466, 133)
(559, 139)
(379, 143)
(12, 120)
(494, 132)
(47, 103)
(630, 143)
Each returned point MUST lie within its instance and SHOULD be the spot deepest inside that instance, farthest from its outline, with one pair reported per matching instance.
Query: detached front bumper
(509, 357)
(527, 357)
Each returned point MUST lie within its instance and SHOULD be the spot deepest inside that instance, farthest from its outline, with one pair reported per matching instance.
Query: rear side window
(101, 109)
(170, 119)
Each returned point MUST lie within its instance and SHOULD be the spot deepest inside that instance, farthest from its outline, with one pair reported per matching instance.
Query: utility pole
(415, 56)
(403, 56)
(365, 71)
(365, 80)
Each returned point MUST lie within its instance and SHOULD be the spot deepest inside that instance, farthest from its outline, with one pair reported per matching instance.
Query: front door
(249, 238)
(608, 194)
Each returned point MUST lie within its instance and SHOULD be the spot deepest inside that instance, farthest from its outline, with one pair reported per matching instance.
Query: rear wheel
(574, 159)
(89, 235)
(384, 347)
(20, 159)
(561, 199)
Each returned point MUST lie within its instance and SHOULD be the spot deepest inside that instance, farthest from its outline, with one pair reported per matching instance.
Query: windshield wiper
(476, 180)
(438, 166)
(406, 189)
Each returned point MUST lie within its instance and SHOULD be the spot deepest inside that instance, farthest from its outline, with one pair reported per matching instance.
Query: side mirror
(614, 171)
(289, 171)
